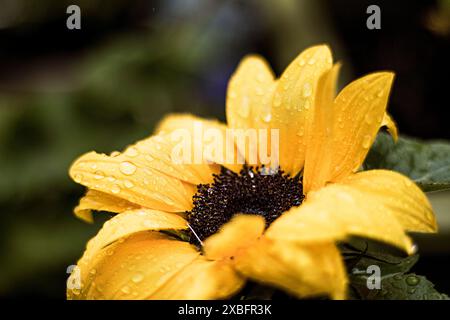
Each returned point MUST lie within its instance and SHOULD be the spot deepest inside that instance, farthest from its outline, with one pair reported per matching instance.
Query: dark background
(64, 92)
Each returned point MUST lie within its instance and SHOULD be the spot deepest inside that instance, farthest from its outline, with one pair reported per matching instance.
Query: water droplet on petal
(307, 89)
(132, 152)
(78, 178)
(127, 168)
(368, 118)
(99, 175)
(232, 94)
(301, 132)
(311, 61)
(138, 277)
(267, 117)
(126, 289)
(259, 91)
(307, 105)
(244, 109)
(115, 189)
(114, 153)
(76, 291)
(301, 63)
(128, 184)
(366, 142)
(277, 99)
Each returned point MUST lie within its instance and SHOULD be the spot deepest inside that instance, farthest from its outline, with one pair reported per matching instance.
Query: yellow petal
(240, 232)
(293, 104)
(391, 126)
(318, 155)
(207, 138)
(249, 105)
(131, 222)
(133, 268)
(133, 180)
(398, 195)
(100, 201)
(201, 279)
(358, 113)
(305, 270)
(123, 225)
(336, 212)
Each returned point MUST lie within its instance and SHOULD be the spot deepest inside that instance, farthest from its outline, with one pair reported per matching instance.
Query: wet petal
(358, 114)
(100, 201)
(293, 104)
(336, 212)
(133, 268)
(305, 270)
(238, 233)
(130, 179)
(318, 155)
(206, 141)
(201, 279)
(398, 195)
(123, 225)
(249, 105)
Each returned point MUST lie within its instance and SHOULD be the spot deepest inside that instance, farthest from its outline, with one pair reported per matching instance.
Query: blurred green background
(65, 92)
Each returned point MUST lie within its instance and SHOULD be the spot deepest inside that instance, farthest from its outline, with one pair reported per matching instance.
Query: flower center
(249, 192)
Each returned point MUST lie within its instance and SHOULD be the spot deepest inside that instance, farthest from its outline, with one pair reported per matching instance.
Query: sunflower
(201, 230)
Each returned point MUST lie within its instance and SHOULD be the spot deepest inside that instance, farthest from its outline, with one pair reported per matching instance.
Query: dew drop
(149, 158)
(76, 291)
(259, 91)
(267, 117)
(244, 110)
(307, 104)
(115, 189)
(301, 63)
(232, 94)
(126, 289)
(114, 153)
(99, 175)
(368, 118)
(128, 184)
(138, 277)
(366, 142)
(78, 178)
(301, 132)
(132, 152)
(127, 168)
(260, 77)
(277, 100)
(311, 61)
(307, 90)
(412, 280)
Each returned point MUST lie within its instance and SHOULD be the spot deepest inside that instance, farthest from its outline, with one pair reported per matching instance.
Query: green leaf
(395, 281)
(401, 287)
(427, 163)
(360, 253)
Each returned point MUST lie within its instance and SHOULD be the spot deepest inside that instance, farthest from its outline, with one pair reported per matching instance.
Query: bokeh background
(65, 92)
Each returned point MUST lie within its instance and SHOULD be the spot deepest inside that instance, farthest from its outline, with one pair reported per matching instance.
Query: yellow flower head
(279, 229)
